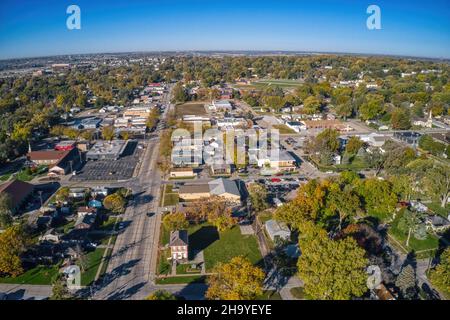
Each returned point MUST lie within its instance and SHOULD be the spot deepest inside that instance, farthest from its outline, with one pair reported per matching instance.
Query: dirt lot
(194, 108)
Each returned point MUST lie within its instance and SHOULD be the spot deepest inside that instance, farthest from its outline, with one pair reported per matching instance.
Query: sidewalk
(25, 291)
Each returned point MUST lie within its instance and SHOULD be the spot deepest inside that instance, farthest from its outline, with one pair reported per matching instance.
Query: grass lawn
(436, 208)
(181, 280)
(269, 295)
(171, 199)
(5, 177)
(186, 269)
(218, 247)
(284, 129)
(108, 225)
(94, 259)
(283, 83)
(164, 266)
(197, 109)
(431, 241)
(224, 246)
(40, 275)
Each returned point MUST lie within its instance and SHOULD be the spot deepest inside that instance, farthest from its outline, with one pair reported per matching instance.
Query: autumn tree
(60, 290)
(311, 105)
(235, 280)
(353, 145)
(175, 221)
(13, 242)
(5, 210)
(115, 202)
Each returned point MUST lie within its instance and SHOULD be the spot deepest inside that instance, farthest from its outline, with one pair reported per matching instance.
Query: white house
(277, 229)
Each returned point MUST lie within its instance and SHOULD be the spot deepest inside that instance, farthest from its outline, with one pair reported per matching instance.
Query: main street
(132, 265)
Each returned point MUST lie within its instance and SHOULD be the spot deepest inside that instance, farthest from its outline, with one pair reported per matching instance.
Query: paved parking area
(107, 170)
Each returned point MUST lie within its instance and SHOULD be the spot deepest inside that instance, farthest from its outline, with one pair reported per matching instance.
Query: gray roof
(179, 238)
(221, 186)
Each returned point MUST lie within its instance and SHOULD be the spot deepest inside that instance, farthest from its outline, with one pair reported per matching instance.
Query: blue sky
(38, 28)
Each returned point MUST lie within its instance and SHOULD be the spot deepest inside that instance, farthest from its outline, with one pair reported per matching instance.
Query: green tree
(108, 133)
(179, 94)
(400, 119)
(161, 295)
(258, 197)
(440, 275)
(312, 105)
(353, 145)
(60, 290)
(331, 269)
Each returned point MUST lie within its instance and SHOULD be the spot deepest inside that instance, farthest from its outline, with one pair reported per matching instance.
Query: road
(132, 266)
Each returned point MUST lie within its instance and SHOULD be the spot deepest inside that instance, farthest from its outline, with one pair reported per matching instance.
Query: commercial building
(105, 150)
(222, 188)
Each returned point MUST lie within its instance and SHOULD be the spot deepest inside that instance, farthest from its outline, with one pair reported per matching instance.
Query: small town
(225, 175)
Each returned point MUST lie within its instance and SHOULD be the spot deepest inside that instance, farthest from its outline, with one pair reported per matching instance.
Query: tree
(13, 242)
(60, 290)
(115, 202)
(161, 295)
(312, 105)
(5, 210)
(400, 120)
(125, 135)
(331, 269)
(175, 221)
(343, 202)
(372, 108)
(353, 145)
(108, 133)
(235, 280)
(406, 282)
(412, 223)
(258, 197)
(434, 178)
(440, 276)
(82, 259)
(378, 197)
(179, 93)
(63, 194)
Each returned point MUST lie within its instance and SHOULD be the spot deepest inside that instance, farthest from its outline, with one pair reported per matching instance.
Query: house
(51, 236)
(277, 229)
(182, 172)
(179, 245)
(86, 218)
(221, 105)
(297, 126)
(65, 145)
(223, 188)
(19, 192)
(437, 223)
(220, 169)
(77, 193)
(100, 191)
(383, 293)
(282, 160)
(374, 139)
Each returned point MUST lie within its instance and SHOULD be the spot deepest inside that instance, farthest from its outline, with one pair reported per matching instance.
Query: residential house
(179, 245)
(277, 229)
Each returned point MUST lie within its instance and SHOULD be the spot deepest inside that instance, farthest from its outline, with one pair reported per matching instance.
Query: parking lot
(107, 170)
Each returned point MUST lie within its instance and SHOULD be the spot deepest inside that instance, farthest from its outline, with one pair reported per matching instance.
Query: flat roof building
(104, 150)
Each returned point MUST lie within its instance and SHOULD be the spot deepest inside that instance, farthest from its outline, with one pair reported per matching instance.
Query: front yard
(217, 247)
(40, 275)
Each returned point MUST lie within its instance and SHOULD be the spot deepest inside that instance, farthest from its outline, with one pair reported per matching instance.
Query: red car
(275, 180)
